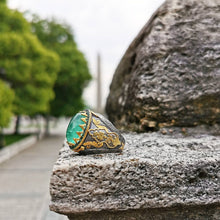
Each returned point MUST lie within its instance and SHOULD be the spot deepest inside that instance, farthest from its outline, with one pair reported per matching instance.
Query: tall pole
(99, 86)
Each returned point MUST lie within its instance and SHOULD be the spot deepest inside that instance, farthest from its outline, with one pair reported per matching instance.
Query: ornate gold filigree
(102, 136)
(89, 144)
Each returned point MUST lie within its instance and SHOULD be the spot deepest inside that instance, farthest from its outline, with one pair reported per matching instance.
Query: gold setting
(84, 120)
(79, 147)
(100, 136)
(82, 126)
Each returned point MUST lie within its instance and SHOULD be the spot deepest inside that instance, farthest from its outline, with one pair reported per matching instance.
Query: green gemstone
(76, 128)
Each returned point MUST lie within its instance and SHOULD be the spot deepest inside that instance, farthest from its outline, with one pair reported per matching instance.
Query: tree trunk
(47, 130)
(38, 127)
(2, 139)
(17, 125)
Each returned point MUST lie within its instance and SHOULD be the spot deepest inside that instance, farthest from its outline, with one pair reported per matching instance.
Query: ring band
(89, 132)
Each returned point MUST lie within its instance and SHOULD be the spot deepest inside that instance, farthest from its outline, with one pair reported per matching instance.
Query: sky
(106, 27)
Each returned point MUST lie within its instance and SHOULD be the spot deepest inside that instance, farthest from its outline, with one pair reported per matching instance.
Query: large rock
(156, 177)
(170, 74)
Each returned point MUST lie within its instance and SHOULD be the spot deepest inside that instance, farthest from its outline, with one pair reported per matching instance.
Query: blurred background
(51, 53)
(105, 27)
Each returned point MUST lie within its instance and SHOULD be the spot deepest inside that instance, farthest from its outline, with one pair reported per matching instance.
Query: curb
(13, 149)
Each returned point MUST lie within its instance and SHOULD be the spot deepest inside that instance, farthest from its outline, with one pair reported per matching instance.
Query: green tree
(6, 99)
(29, 67)
(74, 73)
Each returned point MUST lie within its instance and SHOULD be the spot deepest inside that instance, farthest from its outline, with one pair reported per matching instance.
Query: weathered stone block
(170, 74)
(156, 177)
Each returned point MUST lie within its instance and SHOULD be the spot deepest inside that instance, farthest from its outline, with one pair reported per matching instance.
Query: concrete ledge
(13, 149)
(179, 213)
(157, 176)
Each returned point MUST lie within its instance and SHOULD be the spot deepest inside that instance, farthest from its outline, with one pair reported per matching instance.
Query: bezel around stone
(75, 142)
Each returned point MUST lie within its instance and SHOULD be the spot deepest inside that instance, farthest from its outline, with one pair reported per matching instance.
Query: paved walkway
(24, 182)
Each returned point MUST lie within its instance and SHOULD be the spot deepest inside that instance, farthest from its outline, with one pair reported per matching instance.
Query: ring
(89, 133)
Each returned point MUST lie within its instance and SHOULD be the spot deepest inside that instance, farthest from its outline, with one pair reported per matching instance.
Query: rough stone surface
(189, 213)
(172, 176)
(170, 74)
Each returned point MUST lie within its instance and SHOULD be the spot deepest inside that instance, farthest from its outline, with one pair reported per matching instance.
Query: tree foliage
(28, 67)
(74, 73)
(6, 99)
(2, 1)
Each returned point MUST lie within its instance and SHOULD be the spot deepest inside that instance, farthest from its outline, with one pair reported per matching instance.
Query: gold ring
(89, 132)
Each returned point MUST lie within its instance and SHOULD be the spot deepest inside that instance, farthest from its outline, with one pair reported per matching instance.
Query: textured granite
(167, 176)
(170, 74)
(179, 213)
